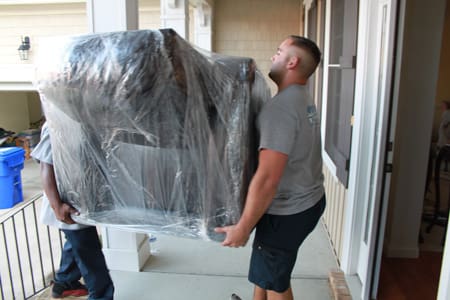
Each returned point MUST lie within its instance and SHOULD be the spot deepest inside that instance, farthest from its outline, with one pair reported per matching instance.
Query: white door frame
(444, 280)
(371, 112)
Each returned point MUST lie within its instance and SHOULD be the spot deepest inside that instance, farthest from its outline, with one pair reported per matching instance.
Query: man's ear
(293, 62)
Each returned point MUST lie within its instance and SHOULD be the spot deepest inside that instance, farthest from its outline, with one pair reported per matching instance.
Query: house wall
(149, 14)
(37, 21)
(14, 113)
(334, 214)
(34, 107)
(255, 28)
(41, 20)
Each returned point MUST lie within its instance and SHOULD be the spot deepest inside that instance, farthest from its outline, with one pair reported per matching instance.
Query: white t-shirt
(288, 123)
(43, 153)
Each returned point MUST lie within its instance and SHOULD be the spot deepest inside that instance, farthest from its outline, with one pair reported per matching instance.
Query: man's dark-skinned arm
(62, 210)
(262, 189)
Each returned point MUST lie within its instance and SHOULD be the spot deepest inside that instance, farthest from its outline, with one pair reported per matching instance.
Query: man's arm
(62, 210)
(263, 187)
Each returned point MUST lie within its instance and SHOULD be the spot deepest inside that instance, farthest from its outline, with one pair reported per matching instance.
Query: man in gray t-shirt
(286, 196)
(289, 124)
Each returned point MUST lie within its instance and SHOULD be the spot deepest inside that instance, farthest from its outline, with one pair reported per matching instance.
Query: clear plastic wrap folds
(148, 132)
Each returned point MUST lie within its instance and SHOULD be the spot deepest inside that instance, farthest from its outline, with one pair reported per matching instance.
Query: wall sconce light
(24, 48)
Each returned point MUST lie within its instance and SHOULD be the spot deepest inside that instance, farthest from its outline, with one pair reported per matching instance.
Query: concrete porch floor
(181, 268)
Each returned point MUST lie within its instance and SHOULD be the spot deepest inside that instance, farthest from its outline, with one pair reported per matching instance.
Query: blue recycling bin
(11, 164)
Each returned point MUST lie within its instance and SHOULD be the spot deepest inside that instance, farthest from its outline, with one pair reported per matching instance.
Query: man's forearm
(259, 198)
(49, 184)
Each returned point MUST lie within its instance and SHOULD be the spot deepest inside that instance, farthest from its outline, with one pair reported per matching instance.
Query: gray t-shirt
(288, 123)
(43, 153)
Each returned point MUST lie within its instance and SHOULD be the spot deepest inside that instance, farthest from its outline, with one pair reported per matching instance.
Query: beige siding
(149, 14)
(254, 28)
(191, 37)
(14, 114)
(334, 212)
(37, 21)
(41, 20)
(34, 107)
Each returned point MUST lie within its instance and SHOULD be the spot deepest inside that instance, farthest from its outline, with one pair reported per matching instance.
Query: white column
(203, 26)
(112, 15)
(175, 15)
(124, 250)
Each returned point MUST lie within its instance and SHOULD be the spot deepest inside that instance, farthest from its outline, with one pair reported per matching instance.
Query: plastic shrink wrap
(150, 133)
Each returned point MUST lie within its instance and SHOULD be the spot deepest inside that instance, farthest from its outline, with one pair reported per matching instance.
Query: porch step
(338, 285)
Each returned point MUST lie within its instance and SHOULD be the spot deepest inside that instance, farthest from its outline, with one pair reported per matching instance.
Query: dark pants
(275, 247)
(82, 256)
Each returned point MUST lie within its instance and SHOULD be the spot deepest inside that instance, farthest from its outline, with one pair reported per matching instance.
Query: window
(316, 32)
(341, 82)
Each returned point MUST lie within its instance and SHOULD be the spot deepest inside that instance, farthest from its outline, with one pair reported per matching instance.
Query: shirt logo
(311, 114)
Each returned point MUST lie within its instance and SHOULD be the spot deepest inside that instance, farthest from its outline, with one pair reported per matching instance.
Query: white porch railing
(29, 252)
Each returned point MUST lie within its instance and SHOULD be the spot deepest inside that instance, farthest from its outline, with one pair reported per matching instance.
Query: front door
(376, 144)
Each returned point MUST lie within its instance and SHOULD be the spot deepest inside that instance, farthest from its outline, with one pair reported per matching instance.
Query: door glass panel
(334, 76)
(376, 144)
(342, 56)
(336, 31)
(333, 106)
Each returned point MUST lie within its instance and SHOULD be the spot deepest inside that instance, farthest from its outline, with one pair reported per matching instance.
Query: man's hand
(262, 189)
(235, 236)
(63, 213)
(62, 210)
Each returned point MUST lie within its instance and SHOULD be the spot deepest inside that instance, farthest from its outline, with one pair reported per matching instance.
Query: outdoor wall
(37, 21)
(14, 113)
(41, 20)
(334, 214)
(255, 28)
(149, 14)
(34, 107)
(17, 110)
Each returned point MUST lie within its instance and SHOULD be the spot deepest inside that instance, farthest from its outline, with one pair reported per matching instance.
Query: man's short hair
(308, 46)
